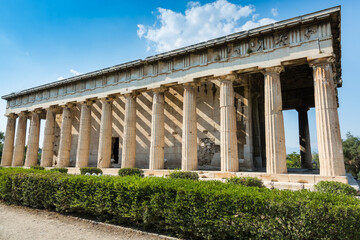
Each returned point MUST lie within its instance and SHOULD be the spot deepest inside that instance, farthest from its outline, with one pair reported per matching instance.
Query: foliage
(130, 172)
(315, 158)
(62, 170)
(184, 175)
(335, 187)
(246, 181)
(187, 209)
(2, 138)
(90, 170)
(351, 149)
(293, 160)
(37, 167)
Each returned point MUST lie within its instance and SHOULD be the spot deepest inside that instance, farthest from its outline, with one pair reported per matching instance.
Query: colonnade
(328, 131)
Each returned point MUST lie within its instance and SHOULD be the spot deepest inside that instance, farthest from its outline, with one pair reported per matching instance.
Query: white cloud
(199, 23)
(274, 12)
(74, 72)
(60, 78)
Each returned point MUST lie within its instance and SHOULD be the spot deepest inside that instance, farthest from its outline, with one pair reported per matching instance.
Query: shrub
(130, 172)
(184, 175)
(335, 187)
(62, 170)
(90, 170)
(246, 181)
(37, 168)
(188, 209)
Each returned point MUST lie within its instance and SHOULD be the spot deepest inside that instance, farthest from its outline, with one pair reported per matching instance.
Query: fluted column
(83, 148)
(274, 123)
(304, 138)
(189, 129)
(65, 138)
(129, 140)
(327, 121)
(47, 154)
(8, 148)
(157, 131)
(104, 153)
(19, 147)
(33, 140)
(248, 146)
(228, 138)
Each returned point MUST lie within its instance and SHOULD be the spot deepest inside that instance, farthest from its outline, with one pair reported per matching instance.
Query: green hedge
(90, 170)
(62, 170)
(37, 167)
(188, 209)
(184, 175)
(123, 172)
(335, 187)
(246, 181)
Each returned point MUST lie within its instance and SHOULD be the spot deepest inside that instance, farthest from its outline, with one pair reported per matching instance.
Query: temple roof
(332, 13)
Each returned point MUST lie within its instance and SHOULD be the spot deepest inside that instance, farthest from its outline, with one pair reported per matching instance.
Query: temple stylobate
(216, 105)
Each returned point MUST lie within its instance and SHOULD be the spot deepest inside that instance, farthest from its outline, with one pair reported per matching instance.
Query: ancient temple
(216, 105)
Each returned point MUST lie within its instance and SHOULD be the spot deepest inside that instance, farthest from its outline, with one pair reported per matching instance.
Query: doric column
(129, 140)
(104, 153)
(189, 129)
(47, 153)
(33, 140)
(327, 121)
(228, 138)
(19, 148)
(304, 139)
(65, 137)
(83, 148)
(274, 123)
(247, 118)
(8, 148)
(157, 131)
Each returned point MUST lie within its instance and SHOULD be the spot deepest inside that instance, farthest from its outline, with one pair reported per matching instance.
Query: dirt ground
(21, 223)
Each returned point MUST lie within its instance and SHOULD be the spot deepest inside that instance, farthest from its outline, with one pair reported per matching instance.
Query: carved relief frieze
(241, 48)
(309, 31)
(282, 39)
(260, 46)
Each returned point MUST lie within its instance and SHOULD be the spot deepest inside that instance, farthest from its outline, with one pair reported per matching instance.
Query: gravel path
(26, 223)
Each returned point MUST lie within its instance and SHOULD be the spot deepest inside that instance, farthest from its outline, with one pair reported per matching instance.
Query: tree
(293, 160)
(351, 149)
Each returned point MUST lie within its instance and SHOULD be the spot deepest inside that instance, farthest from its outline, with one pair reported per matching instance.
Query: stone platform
(291, 181)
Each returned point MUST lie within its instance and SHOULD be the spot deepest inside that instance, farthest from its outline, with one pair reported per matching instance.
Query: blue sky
(42, 41)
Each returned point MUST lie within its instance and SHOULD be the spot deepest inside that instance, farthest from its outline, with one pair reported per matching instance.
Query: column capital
(24, 114)
(68, 105)
(11, 115)
(108, 99)
(190, 84)
(159, 90)
(275, 69)
(229, 77)
(88, 102)
(321, 61)
(132, 94)
(53, 108)
(37, 110)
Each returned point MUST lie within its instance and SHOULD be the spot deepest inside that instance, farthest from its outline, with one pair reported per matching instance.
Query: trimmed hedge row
(188, 209)
(123, 172)
(246, 181)
(184, 175)
(90, 170)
